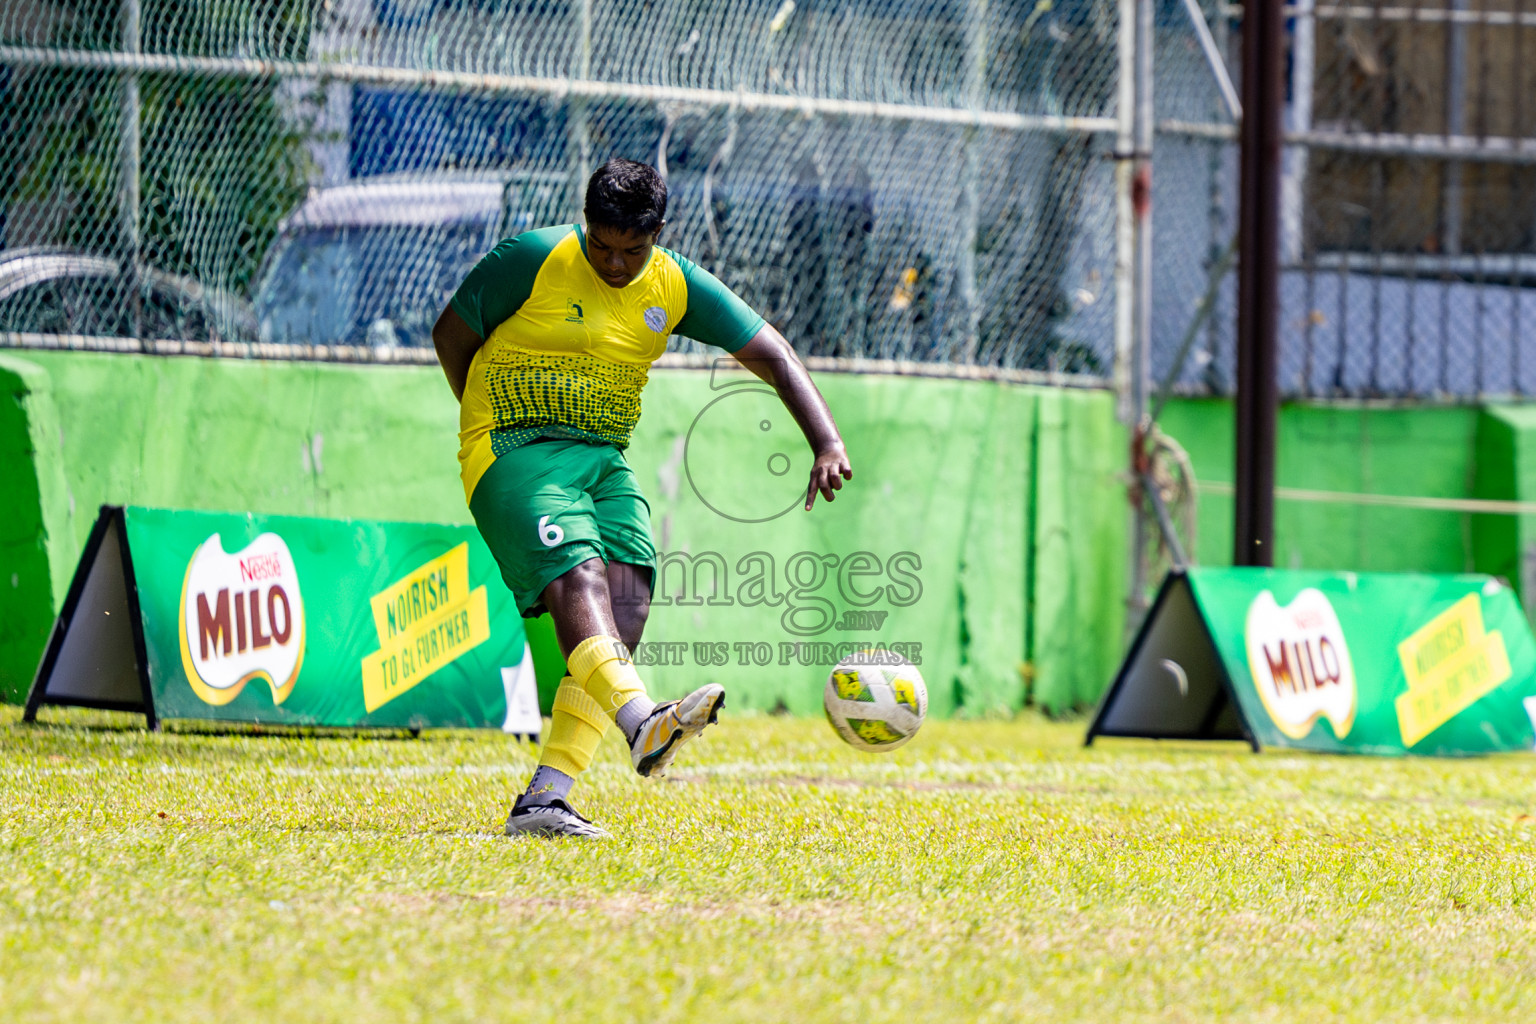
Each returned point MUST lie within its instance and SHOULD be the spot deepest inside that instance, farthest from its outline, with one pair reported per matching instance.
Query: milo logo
(1300, 663)
(242, 619)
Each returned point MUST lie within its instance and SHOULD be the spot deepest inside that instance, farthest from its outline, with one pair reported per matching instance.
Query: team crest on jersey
(656, 318)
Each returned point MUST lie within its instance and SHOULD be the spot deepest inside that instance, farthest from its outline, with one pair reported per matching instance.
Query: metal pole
(8, 175)
(1133, 268)
(1222, 239)
(128, 171)
(579, 152)
(1258, 286)
(559, 89)
(1142, 200)
(1125, 213)
(970, 199)
(1125, 301)
(1141, 347)
(1455, 126)
(1214, 58)
(1303, 64)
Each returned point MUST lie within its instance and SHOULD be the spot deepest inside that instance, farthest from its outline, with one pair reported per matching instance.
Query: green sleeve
(503, 279)
(716, 315)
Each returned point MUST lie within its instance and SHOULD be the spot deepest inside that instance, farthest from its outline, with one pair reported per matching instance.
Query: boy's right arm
(456, 344)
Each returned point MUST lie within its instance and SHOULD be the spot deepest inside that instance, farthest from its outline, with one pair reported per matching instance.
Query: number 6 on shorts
(549, 533)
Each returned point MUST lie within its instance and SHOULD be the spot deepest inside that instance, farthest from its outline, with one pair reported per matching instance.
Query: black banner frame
(111, 523)
(1177, 622)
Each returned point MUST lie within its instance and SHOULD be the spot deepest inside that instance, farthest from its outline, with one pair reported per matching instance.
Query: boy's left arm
(772, 359)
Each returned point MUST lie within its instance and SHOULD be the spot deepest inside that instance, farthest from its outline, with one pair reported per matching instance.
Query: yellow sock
(575, 729)
(601, 666)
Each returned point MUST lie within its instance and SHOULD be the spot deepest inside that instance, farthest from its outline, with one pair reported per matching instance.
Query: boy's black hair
(627, 196)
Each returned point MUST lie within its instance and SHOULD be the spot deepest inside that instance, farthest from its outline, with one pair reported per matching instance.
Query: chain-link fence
(920, 180)
(1194, 212)
(927, 180)
(1409, 206)
(1415, 236)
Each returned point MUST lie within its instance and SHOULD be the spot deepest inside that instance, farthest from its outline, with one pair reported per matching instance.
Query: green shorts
(546, 507)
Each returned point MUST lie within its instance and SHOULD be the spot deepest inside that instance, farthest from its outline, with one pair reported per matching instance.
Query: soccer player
(547, 345)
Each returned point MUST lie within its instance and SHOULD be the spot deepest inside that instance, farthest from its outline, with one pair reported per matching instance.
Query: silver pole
(1492, 149)
(1293, 184)
(970, 172)
(579, 151)
(1455, 125)
(1141, 380)
(1139, 355)
(128, 170)
(1130, 383)
(1125, 210)
(565, 88)
(1220, 233)
(1214, 58)
(1458, 14)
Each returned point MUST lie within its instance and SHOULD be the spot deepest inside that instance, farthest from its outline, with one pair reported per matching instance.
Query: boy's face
(618, 256)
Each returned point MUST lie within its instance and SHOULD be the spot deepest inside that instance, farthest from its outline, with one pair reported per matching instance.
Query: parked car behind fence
(64, 291)
(372, 263)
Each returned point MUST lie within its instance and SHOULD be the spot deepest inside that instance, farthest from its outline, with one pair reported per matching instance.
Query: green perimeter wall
(1486, 452)
(1427, 451)
(1004, 503)
(1506, 470)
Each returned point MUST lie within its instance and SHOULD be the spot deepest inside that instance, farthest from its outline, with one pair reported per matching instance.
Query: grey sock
(629, 717)
(547, 784)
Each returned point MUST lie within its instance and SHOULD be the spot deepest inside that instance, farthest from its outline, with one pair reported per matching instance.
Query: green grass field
(989, 871)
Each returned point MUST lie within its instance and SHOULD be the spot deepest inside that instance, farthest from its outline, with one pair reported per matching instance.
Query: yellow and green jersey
(567, 355)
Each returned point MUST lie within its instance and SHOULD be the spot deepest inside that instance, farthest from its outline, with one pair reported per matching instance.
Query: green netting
(911, 179)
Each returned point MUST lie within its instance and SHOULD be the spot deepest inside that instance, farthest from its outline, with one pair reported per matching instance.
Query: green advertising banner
(1374, 663)
(291, 621)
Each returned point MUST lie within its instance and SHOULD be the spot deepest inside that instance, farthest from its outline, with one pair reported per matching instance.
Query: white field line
(390, 772)
(796, 771)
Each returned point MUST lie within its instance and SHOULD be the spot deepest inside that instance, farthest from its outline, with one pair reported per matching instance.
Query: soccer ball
(875, 700)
